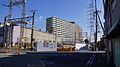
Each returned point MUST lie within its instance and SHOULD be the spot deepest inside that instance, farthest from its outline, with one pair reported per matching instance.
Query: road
(55, 59)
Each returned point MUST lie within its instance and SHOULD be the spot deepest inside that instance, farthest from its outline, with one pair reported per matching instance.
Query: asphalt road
(55, 59)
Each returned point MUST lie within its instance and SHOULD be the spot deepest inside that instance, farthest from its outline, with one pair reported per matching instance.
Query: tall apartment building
(77, 32)
(112, 31)
(68, 31)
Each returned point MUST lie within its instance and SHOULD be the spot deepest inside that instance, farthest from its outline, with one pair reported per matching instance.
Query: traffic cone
(7, 51)
(17, 52)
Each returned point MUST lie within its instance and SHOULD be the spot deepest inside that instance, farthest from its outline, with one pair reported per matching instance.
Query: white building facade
(38, 36)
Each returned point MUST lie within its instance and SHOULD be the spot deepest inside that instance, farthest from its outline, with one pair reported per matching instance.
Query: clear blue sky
(70, 10)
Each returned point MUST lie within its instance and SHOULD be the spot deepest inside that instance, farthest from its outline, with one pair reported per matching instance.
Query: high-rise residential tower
(68, 31)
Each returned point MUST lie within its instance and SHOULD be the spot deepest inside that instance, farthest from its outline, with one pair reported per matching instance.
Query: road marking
(90, 61)
(36, 65)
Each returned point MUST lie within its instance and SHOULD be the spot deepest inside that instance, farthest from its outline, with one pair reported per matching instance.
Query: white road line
(90, 61)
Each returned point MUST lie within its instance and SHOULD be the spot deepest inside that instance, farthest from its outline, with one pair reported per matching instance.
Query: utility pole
(24, 8)
(4, 44)
(96, 24)
(11, 4)
(10, 28)
(10, 9)
(22, 24)
(32, 30)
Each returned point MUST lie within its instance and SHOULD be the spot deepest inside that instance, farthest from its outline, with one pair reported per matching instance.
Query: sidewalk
(2, 55)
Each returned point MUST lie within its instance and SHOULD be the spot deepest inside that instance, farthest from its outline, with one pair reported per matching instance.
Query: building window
(54, 20)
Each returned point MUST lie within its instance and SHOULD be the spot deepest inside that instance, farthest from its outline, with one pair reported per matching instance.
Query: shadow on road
(53, 60)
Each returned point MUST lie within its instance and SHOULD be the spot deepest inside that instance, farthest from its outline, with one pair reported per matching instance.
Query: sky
(69, 10)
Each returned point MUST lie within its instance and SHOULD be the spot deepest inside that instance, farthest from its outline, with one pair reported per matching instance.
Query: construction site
(15, 34)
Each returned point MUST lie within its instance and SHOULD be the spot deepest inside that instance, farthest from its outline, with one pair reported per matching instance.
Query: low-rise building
(38, 36)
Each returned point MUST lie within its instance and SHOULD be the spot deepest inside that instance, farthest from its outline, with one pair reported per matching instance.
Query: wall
(40, 36)
(16, 35)
(116, 42)
(44, 46)
(112, 16)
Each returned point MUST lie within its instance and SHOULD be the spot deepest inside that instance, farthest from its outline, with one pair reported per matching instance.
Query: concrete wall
(39, 36)
(115, 14)
(116, 43)
(16, 35)
(112, 16)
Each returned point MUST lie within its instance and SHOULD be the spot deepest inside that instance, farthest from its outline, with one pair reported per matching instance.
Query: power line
(4, 11)
(11, 4)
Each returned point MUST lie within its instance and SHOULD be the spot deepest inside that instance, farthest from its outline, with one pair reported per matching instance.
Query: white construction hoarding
(44, 46)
